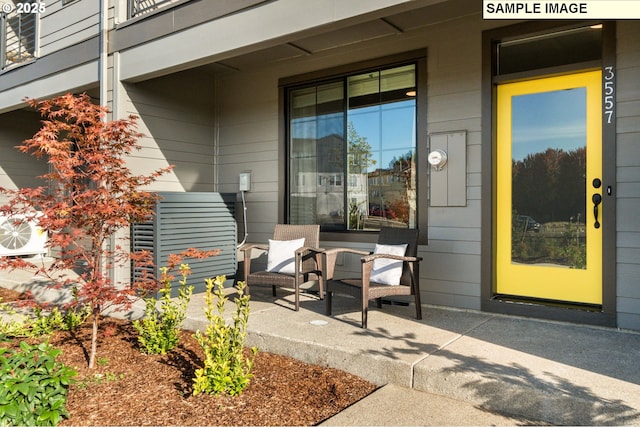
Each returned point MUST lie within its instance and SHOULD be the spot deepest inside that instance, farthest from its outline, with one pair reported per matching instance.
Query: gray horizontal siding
(628, 320)
(177, 118)
(64, 26)
(454, 247)
(628, 175)
(628, 274)
(19, 170)
(248, 136)
(450, 271)
(450, 267)
(629, 208)
(629, 255)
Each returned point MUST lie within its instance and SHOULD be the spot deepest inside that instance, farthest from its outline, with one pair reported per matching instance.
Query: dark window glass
(352, 145)
(550, 50)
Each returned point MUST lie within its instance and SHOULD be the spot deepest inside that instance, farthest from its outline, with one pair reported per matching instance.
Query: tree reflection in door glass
(549, 178)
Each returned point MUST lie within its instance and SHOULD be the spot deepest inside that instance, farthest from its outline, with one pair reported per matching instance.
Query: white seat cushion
(388, 271)
(281, 255)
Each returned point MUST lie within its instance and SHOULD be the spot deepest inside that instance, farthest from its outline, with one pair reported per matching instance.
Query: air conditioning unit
(20, 236)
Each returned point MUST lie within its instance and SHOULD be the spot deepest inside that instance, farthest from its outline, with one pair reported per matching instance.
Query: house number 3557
(609, 90)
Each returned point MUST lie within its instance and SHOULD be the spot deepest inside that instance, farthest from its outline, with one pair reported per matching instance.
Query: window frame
(490, 78)
(417, 57)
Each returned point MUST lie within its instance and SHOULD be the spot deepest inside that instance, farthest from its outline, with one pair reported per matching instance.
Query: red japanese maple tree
(90, 195)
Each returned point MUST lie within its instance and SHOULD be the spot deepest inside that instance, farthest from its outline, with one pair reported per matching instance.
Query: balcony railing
(17, 37)
(141, 7)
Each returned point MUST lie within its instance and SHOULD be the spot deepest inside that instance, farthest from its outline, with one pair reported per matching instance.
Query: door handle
(596, 199)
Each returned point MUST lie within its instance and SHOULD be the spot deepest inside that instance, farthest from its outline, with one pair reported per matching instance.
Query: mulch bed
(131, 388)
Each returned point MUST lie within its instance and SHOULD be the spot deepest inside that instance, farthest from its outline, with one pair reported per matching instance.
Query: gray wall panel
(628, 240)
(627, 305)
(629, 108)
(64, 26)
(629, 277)
(458, 301)
(177, 118)
(628, 210)
(629, 288)
(629, 321)
(19, 170)
(454, 267)
(454, 247)
(455, 288)
(627, 189)
(628, 173)
(628, 255)
(628, 201)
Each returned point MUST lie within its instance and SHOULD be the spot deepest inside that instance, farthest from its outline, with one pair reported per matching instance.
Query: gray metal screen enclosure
(200, 220)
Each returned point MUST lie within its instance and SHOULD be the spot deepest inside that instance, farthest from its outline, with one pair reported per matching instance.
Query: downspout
(102, 83)
(102, 58)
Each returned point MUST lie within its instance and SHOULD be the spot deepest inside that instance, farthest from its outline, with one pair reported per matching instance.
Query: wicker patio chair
(367, 289)
(306, 266)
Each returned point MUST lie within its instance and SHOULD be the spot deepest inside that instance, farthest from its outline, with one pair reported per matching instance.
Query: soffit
(350, 34)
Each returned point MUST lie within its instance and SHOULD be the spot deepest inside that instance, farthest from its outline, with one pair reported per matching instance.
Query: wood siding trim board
(173, 18)
(83, 77)
(54, 63)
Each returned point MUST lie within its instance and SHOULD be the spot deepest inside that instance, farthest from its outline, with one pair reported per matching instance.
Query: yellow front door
(548, 211)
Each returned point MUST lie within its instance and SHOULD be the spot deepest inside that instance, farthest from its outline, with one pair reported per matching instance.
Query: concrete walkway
(453, 367)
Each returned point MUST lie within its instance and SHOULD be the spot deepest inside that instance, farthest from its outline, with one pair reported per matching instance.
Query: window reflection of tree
(550, 187)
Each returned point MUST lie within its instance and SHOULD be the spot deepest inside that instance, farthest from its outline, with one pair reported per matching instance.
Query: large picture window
(352, 151)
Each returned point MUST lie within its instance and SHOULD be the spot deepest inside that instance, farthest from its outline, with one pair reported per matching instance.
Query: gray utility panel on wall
(448, 177)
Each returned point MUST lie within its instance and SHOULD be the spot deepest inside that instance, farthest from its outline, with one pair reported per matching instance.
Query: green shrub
(45, 323)
(226, 368)
(159, 330)
(14, 328)
(74, 317)
(33, 386)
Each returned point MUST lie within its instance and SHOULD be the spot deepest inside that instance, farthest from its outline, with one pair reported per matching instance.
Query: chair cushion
(387, 271)
(281, 255)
